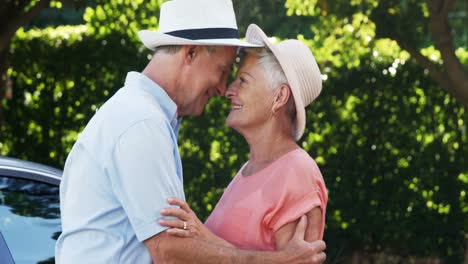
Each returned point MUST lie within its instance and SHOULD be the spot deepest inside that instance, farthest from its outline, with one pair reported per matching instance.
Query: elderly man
(125, 163)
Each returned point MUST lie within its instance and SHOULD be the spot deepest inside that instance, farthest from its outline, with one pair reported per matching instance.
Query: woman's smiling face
(250, 95)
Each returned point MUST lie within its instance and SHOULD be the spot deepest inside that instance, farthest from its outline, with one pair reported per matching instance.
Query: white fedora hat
(300, 68)
(190, 22)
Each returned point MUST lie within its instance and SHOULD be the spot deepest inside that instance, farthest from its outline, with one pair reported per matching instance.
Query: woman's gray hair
(275, 77)
(270, 66)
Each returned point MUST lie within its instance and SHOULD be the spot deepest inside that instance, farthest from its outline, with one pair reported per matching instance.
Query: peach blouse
(253, 208)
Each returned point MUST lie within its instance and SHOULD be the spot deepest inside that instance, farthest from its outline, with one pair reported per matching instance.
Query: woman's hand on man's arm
(176, 245)
(194, 227)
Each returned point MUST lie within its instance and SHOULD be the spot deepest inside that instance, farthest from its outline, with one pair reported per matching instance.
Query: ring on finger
(185, 225)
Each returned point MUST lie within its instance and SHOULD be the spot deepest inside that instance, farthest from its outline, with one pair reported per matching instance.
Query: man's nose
(221, 89)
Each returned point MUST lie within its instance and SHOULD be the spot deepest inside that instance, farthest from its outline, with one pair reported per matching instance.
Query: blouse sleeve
(298, 190)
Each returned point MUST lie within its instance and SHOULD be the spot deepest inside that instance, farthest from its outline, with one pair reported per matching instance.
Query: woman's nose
(231, 90)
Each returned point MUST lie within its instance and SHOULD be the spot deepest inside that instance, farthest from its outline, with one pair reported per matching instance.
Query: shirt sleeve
(146, 175)
(301, 189)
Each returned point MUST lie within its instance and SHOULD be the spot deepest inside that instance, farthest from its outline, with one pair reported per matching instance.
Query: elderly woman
(280, 183)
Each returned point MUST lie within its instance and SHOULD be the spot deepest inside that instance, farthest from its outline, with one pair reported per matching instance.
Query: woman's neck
(266, 146)
(269, 149)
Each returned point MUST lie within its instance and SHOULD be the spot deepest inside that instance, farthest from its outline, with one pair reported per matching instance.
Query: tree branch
(19, 21)
(3, 59)
(14, 21)
(446, 6)
(441, 33)
(434, 72)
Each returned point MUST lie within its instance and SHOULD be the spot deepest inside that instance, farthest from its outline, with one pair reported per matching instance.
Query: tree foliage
(413, 24)
(391, 144)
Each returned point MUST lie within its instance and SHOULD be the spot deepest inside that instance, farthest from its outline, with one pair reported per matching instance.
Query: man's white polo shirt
(119, 175)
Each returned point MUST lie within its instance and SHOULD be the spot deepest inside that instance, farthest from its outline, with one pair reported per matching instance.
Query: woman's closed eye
(242, 80)
(223, 74)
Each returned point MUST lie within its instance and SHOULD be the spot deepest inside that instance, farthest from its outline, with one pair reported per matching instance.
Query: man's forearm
(169, 249)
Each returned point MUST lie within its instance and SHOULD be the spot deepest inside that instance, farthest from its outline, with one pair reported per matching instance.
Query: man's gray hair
(173, 49)
(275, 77)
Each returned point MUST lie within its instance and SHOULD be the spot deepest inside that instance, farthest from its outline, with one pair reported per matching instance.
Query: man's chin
(198, 112)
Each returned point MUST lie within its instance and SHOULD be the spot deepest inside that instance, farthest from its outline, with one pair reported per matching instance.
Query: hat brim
(256, 35)
(152, 39)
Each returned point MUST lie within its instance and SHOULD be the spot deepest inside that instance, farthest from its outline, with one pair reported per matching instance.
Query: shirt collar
(142, 82)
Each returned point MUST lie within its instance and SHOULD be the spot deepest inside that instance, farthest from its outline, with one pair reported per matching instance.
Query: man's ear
(281, 97)
(190, 53)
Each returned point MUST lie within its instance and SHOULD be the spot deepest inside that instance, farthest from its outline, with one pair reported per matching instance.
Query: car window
(29, 219)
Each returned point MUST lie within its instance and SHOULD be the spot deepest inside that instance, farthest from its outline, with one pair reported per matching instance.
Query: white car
(29, 211)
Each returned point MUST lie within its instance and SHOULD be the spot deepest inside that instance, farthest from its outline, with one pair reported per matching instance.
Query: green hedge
(390, 143)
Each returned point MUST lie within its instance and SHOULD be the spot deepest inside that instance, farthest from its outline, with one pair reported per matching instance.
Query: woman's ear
(281, 97)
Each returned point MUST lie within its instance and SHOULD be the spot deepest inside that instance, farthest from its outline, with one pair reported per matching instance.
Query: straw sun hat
(190, 22)
(300, 68)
